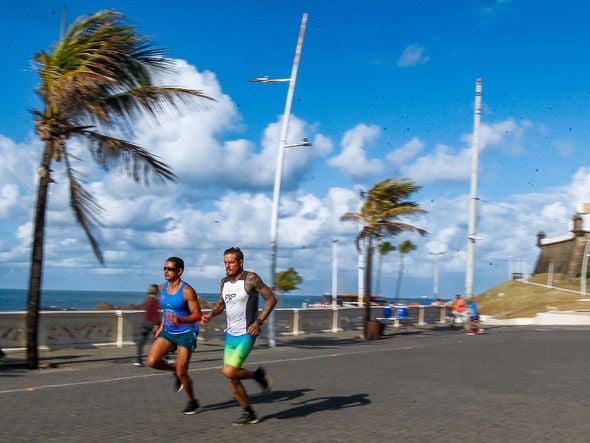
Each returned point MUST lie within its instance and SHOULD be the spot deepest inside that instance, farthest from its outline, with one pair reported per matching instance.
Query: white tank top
(241, 308)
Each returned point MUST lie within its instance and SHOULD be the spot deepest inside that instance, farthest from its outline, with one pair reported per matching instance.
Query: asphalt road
(512, 384)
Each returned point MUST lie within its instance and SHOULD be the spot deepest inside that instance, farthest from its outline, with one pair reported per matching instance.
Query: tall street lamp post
(472, 234)
(274, 219)
(334, 274)
(435, 281)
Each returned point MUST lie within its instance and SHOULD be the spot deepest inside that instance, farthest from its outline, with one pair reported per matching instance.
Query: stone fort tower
(565, 253)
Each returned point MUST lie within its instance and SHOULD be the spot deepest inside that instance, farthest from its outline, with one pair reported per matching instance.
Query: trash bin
(402, 312)
(373, 330)
(387, 312)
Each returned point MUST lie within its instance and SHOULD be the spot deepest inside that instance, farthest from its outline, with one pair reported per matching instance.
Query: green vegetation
(93, 85)
(516, 299)
(288, 280)
(383, 214)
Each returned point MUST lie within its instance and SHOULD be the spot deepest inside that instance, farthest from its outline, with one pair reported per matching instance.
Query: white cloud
(18, 176)
(407, 152)
(223, 198)
(411, 56)
(192, 142)
(9, 198)
(507, 133)
(353, 159)
(444, 163)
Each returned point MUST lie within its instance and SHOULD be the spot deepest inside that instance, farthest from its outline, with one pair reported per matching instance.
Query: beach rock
(103, 306)
(106, 306)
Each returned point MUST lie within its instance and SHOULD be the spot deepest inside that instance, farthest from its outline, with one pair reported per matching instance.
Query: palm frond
(102, 70)
(140, 164)
(138, 103)
(352, 216)
(85, 208)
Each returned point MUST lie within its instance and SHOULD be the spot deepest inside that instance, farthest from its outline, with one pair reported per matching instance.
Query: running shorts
(237, 348)
(186, 339)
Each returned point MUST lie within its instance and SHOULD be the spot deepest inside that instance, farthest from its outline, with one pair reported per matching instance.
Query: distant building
(565, 253)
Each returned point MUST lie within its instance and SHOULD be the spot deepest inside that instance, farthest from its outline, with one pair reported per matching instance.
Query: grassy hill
(516, 299)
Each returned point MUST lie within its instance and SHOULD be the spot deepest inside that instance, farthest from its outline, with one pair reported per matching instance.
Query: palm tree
(384, 205)
(384, 248)
(97, 77)
(288, 280)
(404, 248)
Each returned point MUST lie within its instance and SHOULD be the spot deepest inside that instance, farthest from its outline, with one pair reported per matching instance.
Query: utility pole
(334, 273)
(472, 234)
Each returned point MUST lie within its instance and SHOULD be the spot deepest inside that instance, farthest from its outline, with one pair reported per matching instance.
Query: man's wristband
(259, 322)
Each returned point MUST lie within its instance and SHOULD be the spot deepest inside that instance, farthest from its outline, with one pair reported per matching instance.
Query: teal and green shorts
(237, 348)
(186, 339)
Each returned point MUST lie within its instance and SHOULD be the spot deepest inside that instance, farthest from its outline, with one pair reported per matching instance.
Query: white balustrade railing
(120, 328)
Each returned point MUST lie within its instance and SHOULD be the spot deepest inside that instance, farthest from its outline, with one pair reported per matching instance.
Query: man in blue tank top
(181, 309)
(239, 292)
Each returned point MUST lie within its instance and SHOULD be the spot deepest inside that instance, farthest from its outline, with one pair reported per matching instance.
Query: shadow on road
(319, 404)
(321, 342)
(272, 397)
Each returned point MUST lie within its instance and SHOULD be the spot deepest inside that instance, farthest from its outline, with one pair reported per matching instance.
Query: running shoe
(470, 333)
(177, 383)
(138, 364)
(480, 331)
(247, 418)
(191, 408)
(263, 379)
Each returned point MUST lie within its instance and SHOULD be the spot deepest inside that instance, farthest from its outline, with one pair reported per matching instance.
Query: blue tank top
(177, 304)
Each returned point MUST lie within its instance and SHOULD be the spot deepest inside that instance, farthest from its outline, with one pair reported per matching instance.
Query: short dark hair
(178, 262)
(235, 250)
(153, 289)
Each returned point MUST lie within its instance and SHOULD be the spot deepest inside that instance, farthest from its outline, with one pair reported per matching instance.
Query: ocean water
(16, 299)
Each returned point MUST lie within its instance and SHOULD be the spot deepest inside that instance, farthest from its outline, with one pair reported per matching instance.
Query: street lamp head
(266, 79)
(303, 143)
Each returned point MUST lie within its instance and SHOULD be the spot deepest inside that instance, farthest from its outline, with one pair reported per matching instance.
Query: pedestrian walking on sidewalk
(239, 292)
(178, 328)
(473, 325)
(151, 320)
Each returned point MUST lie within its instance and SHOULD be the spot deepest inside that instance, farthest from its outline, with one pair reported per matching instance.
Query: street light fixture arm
(266, 79)
(303, 144)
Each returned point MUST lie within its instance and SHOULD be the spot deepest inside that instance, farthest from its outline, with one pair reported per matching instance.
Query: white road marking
(209, 368)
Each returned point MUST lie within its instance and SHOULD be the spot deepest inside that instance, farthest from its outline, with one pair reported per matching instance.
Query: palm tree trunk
(34, 295)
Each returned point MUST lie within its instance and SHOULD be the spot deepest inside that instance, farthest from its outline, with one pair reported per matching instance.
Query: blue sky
(384, 89)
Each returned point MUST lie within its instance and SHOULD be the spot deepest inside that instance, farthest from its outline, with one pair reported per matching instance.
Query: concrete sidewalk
(512, 384)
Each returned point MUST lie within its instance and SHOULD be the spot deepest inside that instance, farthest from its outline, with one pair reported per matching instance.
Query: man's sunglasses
(166, 268)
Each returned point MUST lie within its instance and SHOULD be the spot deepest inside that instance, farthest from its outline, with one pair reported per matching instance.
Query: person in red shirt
(458, 310)
(458, 305)
(151, 320)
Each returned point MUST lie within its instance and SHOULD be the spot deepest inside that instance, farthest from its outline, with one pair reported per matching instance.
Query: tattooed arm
(254, 283)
